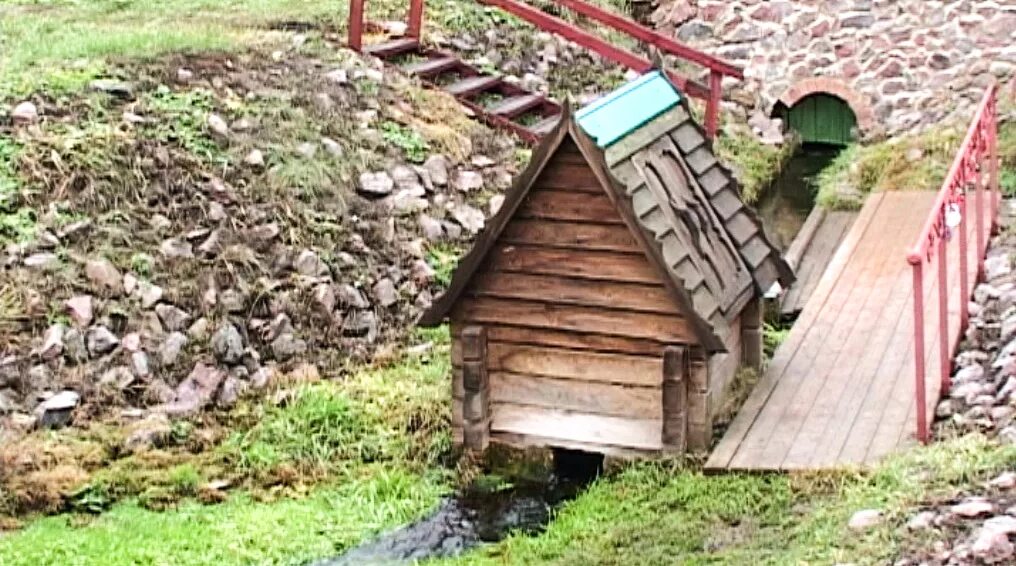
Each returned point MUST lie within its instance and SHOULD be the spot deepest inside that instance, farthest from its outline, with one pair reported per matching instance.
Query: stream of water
(479, 515)
(786, 204)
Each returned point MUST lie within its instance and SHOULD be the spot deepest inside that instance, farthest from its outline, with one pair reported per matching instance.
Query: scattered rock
(79, 308)
(218, 126)
(105, 275)
(385, 293)
(309, 264)
(150, 295)
(171, 347)
(195, 392)
(100, 340)
(973, 508)
(350, 296)
(468, 217)
(176, 248)
(865, 519)
(52, 343)
(75, 350)
(119, 377)
(25, 113)
(437, 167)
(172, 318)
(255, 158)
(227, 344)
(922, 521)
(377, 184)
(466, 181)
(287, 346)
(140, 365)
(56, 412)
(154, 431)
(42, 261)
(118, 89)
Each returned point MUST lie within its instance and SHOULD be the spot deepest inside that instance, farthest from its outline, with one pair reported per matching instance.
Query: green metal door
(822, 118)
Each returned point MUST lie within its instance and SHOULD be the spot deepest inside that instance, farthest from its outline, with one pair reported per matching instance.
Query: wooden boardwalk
(839, 391)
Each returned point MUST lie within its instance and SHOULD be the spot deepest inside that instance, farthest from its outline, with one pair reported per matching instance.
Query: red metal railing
(717, 68)
(711, 94)
(975, 170)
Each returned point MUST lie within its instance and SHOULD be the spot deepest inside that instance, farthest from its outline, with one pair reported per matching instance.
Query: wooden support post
(713, 104)
(415, 19)
(355, 29)
(700, 411)
(476, 385)
(751, 335)
(675, 400)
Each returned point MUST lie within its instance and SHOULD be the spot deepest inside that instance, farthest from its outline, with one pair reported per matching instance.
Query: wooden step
(393, 47)
(472, 85)
(543, 127)
(431, 67)
(511, 107)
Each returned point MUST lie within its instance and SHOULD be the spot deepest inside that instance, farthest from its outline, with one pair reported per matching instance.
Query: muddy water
(478, 515)
(786, 204)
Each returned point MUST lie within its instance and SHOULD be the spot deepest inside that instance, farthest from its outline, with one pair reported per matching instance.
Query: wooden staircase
(501, 104)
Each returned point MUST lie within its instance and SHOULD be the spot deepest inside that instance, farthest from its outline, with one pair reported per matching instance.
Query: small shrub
(406, 139)
(185, 479)
(443, 258)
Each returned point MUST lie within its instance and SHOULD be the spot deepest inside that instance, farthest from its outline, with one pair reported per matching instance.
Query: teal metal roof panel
(617, 114)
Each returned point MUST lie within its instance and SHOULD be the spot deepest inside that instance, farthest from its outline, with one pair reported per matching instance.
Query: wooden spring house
(611, 300)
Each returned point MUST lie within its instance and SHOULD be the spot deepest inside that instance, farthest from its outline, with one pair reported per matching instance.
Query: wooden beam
(476, 399)
(675, 400)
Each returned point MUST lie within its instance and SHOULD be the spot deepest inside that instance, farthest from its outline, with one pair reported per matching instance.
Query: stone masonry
(900, 64)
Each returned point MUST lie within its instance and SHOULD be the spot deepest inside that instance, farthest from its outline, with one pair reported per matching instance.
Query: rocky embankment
(979, 527)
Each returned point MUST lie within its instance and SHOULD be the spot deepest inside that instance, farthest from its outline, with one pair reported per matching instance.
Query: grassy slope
(665, 515)
(242, 531)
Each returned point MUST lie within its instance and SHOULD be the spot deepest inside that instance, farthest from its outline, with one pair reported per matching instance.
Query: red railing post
(415, 27)
(713, 104)
(979, 198)
(944, 348)
(355, 34)
(964, 300)
(993, 159)
(922, 417)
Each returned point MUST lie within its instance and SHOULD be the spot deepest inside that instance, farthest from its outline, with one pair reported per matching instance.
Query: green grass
(755, 164)
(408, 140)
(240, 531)
(665, 514)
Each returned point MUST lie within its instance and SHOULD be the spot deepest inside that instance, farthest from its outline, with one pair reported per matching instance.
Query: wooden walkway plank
(844, 320)
(730, 443)
(886, 297)
(840, 391)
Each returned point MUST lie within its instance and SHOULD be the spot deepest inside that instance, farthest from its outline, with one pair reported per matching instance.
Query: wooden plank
(598, 265)
(808, 372)
(569, 394)
(570, 235)
(586, 366)
(578, 427)
(569, 205)
(889, 390)
(560, 174)
(472, 85)
(849, 376)
(742, 424)
(556, 289)
(523, 441)
(675, 399)
(574, 318)
(572, 340)
(516, 105)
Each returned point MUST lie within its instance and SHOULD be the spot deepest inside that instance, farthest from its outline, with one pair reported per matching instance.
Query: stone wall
(901, 64)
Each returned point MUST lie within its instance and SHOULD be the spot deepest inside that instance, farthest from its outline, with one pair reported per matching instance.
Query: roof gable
(568, 130)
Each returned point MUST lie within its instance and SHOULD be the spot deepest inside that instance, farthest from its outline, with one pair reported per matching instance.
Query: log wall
(576, 322)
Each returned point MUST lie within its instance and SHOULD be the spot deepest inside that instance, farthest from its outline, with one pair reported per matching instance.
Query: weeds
(755, 164)
(443, 259)
(183, 120)
(406, 139)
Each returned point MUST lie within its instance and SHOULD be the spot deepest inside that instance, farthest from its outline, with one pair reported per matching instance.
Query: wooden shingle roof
(679, 203)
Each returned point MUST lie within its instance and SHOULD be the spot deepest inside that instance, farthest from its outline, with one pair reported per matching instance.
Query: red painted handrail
(545, 21)
(646, 35)
(717, 68)
(978, 151)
